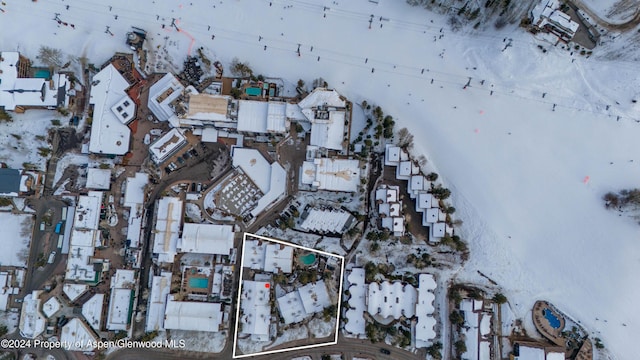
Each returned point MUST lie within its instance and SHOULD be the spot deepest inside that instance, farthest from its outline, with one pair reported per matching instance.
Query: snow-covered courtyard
(18, 229)
(528, 149)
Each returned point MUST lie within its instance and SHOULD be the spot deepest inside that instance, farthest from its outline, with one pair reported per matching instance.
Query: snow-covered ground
(21, 138)
(209, 342)
(527, 180)
(18, 229)
(616, 11)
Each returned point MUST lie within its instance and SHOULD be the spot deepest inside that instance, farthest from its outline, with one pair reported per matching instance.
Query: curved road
(625, 26)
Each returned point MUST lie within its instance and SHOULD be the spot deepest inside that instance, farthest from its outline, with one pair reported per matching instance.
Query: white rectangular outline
(238, 295)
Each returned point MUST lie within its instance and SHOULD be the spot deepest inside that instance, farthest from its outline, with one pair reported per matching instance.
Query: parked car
(186, 155)
(385, 351)
(155, 132)
(180, 160)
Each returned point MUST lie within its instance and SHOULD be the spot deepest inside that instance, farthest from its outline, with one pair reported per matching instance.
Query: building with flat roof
(77, 335)
(425, 326)
(271, 179)
(85, 236)
(92, 311)
(19, 91)
(161, 96)
(192, 315)
(99, 179)
(6, 289)
(32, 322)
(269, 257)
(51, 307)
(10, 182)
(256, 311)
(278, 258)
(291, 308)
(167, 145)
(314, 297)
(167, 228)
(391, 300)
(113, 109)
(262, 117)
(74, 291)
(390, 209)
(357, 302)
(548, 16)
(120, 303)
(335, 221)
(332, 174)
(160, 288)
(134, 195)
(206, 239)
(325, 109)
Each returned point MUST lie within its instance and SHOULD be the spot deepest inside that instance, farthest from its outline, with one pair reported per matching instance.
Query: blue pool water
(42, 74)
(199, 283)
(553, 320)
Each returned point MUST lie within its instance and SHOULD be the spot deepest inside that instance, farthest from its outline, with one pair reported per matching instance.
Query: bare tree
(50, 56)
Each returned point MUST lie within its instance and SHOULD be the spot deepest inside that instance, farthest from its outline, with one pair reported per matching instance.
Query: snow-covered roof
(209, 134)
(529, 353)
(84, 237)
(74, 291)
(291, 308)
(167, 145)
(50, 307)
(329, 134)
(92, 311)
(262, 117)
(424, 309)
(256, 311)
(424, 201)
(278, 258)
(332, 174)
(206, 239)
(15, 91)
(192, 315)
(333, 221)
(438, 230)
(293, 112)
(357, 302)
(5, 289)
(168, 221)
(124, 109)
(314, 297)
(391, 299)
(160, 288)
(161, 94)
(109, 135)
(322, 97)
(253, 254)
(77, 335)
(552, 355)
(120, 302)
(548, 12)
(325, 110)
(416, 184)
(98, 179)
(134, 189)
(254, 165)
(271, 179)
(87, 213)
(32, 322)
(471, 328)
(392, 155)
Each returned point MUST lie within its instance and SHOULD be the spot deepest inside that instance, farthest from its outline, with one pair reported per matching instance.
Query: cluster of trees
(419, 262)
(5, 116)
(439, 192)
(624, 198)
(241, 69)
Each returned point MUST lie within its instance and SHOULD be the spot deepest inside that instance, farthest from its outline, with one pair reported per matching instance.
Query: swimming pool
(308, 259)
(42, 74)
(253, 91)
(199, 283)
(551, 318)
